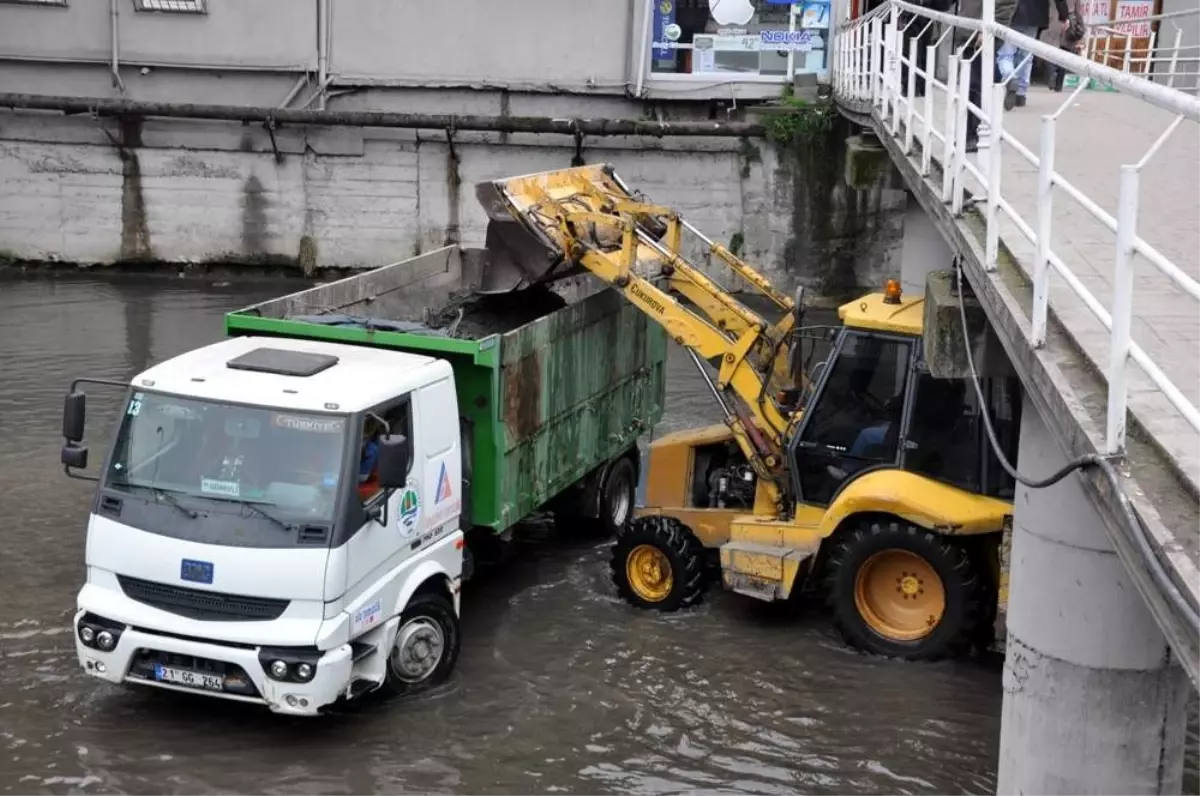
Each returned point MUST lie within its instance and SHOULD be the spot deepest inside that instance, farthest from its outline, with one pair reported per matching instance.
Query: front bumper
(137, 650)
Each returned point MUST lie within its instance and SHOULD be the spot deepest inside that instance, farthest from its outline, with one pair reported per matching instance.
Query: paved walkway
(1096, 134)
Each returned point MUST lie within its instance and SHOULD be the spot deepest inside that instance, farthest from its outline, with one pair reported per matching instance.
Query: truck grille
(203, 605)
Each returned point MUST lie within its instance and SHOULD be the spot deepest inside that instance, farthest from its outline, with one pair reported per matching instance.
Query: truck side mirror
(74, 413)
(74, 456)
(393, 461)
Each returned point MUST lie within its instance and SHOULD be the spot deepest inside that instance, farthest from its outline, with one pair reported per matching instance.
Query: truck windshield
(285, 463)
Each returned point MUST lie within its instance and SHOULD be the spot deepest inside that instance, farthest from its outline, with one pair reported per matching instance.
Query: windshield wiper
(257, 507)
(167, 496)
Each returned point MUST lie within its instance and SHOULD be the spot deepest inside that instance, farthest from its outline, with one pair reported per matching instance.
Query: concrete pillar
(923, 249)
(1093, 702)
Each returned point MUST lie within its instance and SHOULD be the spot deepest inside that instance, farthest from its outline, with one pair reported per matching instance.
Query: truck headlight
(99, 633)
(289, 664)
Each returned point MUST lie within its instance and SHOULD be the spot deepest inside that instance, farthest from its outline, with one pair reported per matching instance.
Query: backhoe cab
(863, 477)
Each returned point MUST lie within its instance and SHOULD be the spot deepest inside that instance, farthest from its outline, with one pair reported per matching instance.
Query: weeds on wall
(806, 121)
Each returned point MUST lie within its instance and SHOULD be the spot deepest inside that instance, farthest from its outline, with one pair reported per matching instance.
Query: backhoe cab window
(227, 453)
(855, 422)
(947, 440)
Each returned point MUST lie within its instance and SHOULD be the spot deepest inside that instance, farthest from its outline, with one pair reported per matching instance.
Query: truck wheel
(617, 496)
(426, 645)
(657, 563)
(905, 592)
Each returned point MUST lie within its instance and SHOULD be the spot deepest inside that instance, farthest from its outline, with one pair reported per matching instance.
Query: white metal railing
(1160, 55)
(867, 67)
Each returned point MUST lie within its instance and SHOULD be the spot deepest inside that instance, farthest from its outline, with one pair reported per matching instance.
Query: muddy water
(560, 687)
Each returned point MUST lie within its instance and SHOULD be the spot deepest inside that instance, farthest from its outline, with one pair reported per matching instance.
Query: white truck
(282, 516)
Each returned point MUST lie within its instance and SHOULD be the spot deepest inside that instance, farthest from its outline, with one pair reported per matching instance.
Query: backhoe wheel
(905, 592)
(617, 496)
(657, 563)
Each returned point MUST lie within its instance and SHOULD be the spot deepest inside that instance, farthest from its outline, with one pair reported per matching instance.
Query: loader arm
(585, 217)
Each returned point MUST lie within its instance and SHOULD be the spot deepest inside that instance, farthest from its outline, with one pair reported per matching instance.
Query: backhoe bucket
(522, 234)
(519, 254)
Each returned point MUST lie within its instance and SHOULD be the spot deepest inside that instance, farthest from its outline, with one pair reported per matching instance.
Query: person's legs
(974, 95)
(1006, 58)
(1026, 68)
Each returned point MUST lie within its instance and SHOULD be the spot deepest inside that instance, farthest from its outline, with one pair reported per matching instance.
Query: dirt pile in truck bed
(473, 315)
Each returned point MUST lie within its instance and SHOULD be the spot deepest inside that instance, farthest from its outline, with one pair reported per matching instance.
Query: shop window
(738, 38)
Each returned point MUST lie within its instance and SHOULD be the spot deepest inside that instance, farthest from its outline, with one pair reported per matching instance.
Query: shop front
(731, 41)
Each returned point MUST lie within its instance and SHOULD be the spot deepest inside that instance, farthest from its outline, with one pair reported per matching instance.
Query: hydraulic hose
(1163, 580)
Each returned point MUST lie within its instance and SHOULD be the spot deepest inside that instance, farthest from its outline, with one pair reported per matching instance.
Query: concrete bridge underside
(1098, 661)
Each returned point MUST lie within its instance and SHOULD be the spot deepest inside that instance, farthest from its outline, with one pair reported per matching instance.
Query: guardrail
(1163, 56)
(868, 61)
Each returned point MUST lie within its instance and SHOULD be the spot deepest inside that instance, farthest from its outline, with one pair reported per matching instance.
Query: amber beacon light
(891, 293)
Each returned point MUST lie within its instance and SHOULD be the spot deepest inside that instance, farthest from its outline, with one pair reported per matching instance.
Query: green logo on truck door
(409, 509)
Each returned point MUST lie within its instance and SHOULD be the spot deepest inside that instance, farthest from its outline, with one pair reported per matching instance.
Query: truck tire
(904, 592)
(617, 496)
(426, 645)
(658, 564)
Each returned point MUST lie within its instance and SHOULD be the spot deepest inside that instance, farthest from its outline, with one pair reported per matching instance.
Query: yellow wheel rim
(649, 574)
(899, 595)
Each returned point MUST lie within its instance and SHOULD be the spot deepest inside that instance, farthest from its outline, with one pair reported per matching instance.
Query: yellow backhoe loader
(873, 482)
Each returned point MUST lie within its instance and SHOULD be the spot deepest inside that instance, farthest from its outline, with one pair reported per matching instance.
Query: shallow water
(560, 686)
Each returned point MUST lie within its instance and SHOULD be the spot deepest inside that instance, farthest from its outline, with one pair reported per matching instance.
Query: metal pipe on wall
(643, 54)
(115, 66)
(411, 121)
(322, 51)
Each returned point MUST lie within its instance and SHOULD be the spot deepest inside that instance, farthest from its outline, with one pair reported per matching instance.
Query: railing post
(1045, 206)
(992, 246)
(878, 70)
(1175, 56)
(911, 91)
(891, 40)
(1122, 309)
(962, 114)
(988, 57)
(860, 69)
(872, 57)
(927, 137)
(950, 118)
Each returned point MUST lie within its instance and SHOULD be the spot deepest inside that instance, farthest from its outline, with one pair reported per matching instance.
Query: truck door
(378, 546)
(424, 510)
(854, 420)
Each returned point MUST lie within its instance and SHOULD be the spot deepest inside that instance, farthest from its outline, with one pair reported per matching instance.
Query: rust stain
(135, 230)
(523, 396)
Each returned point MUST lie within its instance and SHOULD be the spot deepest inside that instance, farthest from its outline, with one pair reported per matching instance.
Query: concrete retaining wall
(102, 192)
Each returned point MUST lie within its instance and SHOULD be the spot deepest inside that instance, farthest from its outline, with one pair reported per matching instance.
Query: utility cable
(1162, 579)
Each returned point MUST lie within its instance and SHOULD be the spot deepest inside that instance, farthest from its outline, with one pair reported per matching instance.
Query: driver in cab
(368, 469)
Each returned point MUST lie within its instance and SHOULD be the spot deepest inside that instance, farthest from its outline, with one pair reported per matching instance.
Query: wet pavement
(560, 687)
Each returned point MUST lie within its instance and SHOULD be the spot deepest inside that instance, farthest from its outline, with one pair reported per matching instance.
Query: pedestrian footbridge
(1076, 223)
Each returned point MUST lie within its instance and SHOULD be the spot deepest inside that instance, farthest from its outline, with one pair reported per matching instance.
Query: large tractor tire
(658, 564)
(904, 592)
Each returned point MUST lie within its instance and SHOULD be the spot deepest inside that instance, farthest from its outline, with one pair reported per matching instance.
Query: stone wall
(88, 191)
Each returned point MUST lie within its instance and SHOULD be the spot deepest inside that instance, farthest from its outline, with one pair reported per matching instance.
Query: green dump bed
(550, 386)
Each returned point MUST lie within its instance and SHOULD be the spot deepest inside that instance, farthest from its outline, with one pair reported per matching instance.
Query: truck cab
(276, 522)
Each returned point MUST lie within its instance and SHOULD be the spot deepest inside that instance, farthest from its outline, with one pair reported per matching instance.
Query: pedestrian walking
(1072, 42)
(1030, 19)
(1005, 11)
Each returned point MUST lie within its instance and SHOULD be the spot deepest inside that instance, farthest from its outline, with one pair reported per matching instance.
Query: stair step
(360, 650)
(758, 570)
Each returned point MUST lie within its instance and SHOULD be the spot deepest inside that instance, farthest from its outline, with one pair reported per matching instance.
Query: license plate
(208, 682)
